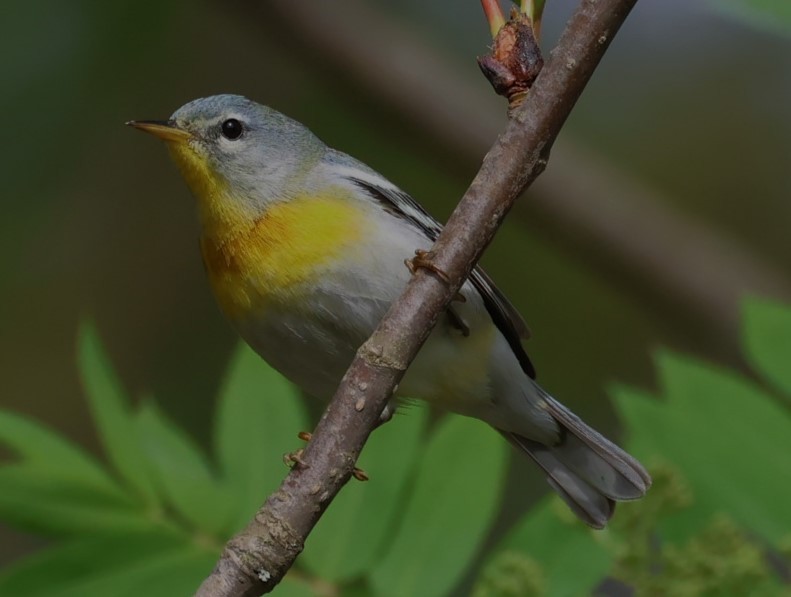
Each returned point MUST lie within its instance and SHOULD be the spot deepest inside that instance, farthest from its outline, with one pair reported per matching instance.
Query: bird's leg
(293, 459)
(423, 259)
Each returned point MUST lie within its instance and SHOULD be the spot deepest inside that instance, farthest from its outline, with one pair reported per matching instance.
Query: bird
(304, 248)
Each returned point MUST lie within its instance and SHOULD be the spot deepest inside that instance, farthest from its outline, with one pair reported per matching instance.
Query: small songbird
(304, 248)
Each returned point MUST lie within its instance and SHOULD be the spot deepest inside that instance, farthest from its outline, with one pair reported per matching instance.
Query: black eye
(231, 129)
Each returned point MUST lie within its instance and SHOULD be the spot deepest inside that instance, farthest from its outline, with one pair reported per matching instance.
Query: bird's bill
(167, 131)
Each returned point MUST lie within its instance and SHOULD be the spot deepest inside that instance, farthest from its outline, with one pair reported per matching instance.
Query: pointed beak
(164, 129)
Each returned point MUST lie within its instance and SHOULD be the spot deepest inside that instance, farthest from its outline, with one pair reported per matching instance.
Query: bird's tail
(586, 469)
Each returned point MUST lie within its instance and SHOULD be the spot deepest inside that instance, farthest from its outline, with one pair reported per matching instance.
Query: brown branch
(256, 559)
(665, 257)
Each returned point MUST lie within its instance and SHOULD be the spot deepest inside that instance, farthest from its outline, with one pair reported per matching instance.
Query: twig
(494, 15)
(515, 60)
(666, 258)
(255, 560)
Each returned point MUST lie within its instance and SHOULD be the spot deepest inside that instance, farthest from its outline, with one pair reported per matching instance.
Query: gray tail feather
(586, 469)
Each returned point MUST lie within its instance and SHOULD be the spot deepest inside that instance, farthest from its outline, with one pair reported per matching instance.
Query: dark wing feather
(505, 316)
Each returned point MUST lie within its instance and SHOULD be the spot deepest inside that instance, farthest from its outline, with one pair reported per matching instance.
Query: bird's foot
(294, 459)
(424, 259)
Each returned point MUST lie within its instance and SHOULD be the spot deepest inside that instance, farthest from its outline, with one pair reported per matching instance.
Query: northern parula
(304, 247)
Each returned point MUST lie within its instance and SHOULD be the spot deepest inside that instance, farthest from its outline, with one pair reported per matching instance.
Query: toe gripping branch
(295, 460)
(425, 260)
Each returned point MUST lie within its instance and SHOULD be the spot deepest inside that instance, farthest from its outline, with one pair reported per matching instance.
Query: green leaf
(34, 500)
(771, 15)
(112, 415)
(72, 565)
(354, 530)
(767, 339)
(357, 589)
(729, 439)
(455, 499)
(165, 574)
(294, 585)
(559, 546)
(43, 450)
(258, 419)
(177, 573)
(183, 472)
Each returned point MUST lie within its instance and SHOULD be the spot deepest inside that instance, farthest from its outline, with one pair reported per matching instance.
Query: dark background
(672, 177)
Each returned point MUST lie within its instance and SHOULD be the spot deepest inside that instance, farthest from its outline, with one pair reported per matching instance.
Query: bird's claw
(294, 459)
(424, 259)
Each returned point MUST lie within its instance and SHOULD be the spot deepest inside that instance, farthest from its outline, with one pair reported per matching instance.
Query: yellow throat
(256, 256)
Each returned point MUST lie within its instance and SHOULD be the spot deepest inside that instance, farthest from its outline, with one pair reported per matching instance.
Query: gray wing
(505, 316)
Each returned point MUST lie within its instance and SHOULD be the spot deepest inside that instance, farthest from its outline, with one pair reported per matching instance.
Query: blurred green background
(690, 106)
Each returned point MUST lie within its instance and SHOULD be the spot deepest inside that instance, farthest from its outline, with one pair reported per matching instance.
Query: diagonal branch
(256, 559)
(665, 258)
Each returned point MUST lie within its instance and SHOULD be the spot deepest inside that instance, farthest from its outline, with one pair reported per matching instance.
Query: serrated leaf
(767, 341)
(729, 439)
(353, 531)
(43, 450)
(71, 564)
(456, 497)
(179, 573)
(165, 574)
(259, 416)
(34, 500)
(560, 547)
(112, 414)
(183, 472)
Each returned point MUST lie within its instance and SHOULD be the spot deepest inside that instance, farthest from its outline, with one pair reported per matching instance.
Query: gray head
(230, 141)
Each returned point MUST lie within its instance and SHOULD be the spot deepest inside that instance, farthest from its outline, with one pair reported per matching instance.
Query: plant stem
(494, 14)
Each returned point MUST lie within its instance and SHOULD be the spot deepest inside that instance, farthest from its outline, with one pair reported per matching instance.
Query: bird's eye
(231, 129)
